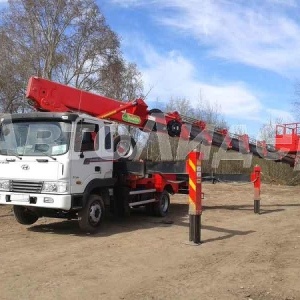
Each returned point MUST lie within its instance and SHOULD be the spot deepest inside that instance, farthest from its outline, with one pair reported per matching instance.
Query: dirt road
(243, 255)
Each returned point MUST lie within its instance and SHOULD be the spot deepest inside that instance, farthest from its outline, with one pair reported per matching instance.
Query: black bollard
(257, 206)
(195, 229)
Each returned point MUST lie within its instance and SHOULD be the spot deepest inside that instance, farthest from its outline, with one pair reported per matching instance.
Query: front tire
(91, 216)
(24, 215)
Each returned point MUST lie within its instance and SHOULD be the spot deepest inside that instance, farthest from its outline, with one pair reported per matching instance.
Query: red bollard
(195, 196)
(256, 179)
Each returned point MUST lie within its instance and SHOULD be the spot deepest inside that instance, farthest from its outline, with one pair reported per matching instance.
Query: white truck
(67, 165)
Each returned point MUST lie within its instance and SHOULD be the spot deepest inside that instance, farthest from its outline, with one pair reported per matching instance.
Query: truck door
(92, 156)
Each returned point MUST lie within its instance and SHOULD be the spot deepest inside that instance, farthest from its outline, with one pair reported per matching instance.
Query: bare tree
(203, 111)
(209, 113)
(182, 105)
(13, 70)
(66, 41)
(121, 80)
(268, 131)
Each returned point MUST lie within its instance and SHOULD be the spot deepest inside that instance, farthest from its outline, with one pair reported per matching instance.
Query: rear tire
(161, 207)
(24, 215)
(92, 214)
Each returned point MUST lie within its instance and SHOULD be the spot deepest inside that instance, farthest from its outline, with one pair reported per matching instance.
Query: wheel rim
(95, 213)
(164, 203)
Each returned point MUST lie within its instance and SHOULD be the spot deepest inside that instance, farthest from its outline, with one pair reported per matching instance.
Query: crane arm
(46, 95)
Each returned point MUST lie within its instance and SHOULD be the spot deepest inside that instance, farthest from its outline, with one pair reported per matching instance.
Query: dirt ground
(243, 255)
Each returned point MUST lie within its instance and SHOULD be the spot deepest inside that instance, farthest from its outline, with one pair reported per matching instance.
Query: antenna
(151, 88)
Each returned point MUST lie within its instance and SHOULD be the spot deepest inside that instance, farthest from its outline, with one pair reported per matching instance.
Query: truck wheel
(90, 217)
(24, 215)
(124, 147)
(161, 207)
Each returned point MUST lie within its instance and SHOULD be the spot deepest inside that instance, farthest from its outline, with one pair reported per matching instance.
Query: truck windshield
(37, 138)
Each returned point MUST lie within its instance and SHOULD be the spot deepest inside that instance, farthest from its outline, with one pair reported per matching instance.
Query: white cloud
(259, 36)
(173, 75)
(254, 33)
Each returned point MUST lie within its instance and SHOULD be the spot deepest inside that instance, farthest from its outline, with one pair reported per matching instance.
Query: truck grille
(26, 186)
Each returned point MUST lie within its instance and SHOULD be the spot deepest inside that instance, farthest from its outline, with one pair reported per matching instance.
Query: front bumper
(63, 202)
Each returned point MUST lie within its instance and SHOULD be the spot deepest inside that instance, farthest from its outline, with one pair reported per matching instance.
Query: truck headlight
(4, 185)
(55, 187)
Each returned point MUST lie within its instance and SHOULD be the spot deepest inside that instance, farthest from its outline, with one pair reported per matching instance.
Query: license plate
(19, 198)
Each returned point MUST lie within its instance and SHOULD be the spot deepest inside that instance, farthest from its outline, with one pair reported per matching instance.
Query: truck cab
(50, 161)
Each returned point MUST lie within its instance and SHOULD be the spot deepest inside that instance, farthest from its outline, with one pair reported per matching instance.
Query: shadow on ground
(138, 220)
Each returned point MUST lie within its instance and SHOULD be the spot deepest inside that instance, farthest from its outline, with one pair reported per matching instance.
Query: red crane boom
(46, 95)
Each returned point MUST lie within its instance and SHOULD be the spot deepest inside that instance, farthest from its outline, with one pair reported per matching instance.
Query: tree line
(65, 41)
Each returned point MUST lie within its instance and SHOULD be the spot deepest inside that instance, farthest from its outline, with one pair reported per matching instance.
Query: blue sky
(242, 55)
